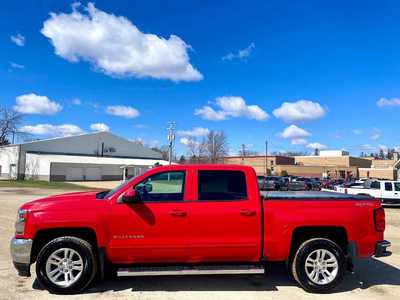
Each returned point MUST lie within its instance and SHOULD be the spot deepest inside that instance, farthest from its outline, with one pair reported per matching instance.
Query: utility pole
(243, 152)
(266, 157)
(171, 139)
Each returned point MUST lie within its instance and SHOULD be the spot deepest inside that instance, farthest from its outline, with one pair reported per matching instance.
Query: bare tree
(9, 121)
(196, 150)
(163, 150)
(216, 146)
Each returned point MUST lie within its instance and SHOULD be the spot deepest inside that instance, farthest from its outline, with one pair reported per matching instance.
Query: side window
(376, 185)
(165, 186)
(221, 185)
(397, 186)
(388, 186)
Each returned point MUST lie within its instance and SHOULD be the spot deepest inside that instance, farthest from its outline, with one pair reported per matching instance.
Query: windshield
(120, 186)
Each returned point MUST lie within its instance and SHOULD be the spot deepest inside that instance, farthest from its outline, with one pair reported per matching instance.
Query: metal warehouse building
(92, 156)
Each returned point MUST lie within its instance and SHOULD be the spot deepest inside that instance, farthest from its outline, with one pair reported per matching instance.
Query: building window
(221, 185)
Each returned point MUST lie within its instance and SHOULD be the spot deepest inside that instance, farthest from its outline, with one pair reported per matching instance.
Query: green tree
(268, 172)
(284, 173)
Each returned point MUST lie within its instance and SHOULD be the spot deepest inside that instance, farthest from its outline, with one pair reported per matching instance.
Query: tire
(318, 282)
(73, 277)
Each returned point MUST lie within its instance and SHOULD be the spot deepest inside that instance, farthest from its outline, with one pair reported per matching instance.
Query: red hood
(63, 200)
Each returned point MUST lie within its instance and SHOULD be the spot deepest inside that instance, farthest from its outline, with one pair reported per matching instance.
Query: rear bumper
(21, 255)
(381, 249)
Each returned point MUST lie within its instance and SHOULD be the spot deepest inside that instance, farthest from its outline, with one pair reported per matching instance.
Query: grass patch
(44, 185)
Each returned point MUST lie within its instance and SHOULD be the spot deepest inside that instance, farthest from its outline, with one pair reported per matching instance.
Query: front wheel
(319, 265)
(66, 265)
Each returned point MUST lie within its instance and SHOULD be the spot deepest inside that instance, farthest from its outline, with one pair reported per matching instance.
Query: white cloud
(357, 132)
(375, 134)
(388, 102)
(116, 47)
(232, 107)
(18, 39)
(300, 111)
(293, 132)
(241, 53)
(299, 142)
(188, 141)
(99, 127)
(384, 148)
(77, 101)
(397, 148)
(140, 126)
(52, 130)
(122, 111)
(316, 146)
(35, 104)
(15, 65)
(195, 132)
(368, 148)
(153, 143)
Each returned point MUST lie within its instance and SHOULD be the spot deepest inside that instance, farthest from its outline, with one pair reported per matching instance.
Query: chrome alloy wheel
(321, 266)
(64, 267)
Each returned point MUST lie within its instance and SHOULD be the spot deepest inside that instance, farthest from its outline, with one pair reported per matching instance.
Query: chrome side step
(191, 270)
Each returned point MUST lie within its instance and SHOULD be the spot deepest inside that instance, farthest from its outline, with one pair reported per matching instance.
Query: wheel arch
(43, 236)
(337, 234)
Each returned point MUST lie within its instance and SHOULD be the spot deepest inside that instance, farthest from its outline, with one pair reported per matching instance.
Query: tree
(196, 150)
(163, 150)
(216, 146)
(9, 122)
(182, 160)
(284, 173)
(269, 172)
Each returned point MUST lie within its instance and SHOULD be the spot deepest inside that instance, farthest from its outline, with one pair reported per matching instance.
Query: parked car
(195, 219)
(298, 185)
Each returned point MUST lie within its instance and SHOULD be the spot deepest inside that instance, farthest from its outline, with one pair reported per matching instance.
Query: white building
(333, 153)
(92, 156)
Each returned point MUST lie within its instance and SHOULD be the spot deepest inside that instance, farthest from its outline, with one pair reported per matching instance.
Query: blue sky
(213, 65)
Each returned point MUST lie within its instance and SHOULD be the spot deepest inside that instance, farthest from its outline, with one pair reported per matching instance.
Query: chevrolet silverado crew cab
(195, 219)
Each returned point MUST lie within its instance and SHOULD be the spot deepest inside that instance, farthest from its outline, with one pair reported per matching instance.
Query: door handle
(247, 212)
(177, 213)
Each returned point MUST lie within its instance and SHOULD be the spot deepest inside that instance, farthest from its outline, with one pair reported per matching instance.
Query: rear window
(221, 185)
(376, 185)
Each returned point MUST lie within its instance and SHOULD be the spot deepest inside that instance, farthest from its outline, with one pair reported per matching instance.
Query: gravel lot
(376, 278)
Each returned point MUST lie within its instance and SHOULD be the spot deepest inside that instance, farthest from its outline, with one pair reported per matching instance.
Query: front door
(156, 228)
(225, 223)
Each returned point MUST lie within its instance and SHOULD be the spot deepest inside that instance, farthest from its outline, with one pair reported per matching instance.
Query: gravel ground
(375, 279)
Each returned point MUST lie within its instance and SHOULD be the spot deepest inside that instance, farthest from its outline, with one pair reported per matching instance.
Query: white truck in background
(387, 191)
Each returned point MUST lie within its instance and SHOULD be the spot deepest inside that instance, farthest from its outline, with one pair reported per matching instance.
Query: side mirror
(129, 196)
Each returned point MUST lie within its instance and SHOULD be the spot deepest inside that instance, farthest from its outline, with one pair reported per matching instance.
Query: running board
(191, 270)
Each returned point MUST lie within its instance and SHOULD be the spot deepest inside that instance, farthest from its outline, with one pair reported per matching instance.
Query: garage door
(74, 174)
(93, 174)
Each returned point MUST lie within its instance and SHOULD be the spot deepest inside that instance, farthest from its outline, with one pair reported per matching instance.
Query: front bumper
(21, 255)
(380, 250)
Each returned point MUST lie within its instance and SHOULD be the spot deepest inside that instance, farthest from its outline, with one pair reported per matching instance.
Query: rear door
(225, 222)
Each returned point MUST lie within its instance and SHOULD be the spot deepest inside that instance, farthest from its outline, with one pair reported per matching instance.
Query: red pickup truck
(187, 219)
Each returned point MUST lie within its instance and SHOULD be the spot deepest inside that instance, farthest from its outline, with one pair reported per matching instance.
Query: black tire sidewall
(300, 260)
(88, 265)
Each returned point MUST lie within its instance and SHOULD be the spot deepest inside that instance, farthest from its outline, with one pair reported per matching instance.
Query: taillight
(380, 223)
(274, 182)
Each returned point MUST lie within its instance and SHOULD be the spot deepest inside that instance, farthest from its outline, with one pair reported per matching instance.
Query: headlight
(20, 223)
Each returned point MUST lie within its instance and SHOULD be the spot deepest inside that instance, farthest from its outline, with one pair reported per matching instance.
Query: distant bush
(284, 173)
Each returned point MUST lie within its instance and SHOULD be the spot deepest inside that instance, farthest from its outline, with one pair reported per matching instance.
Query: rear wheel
(318, 265)
(66, 265)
